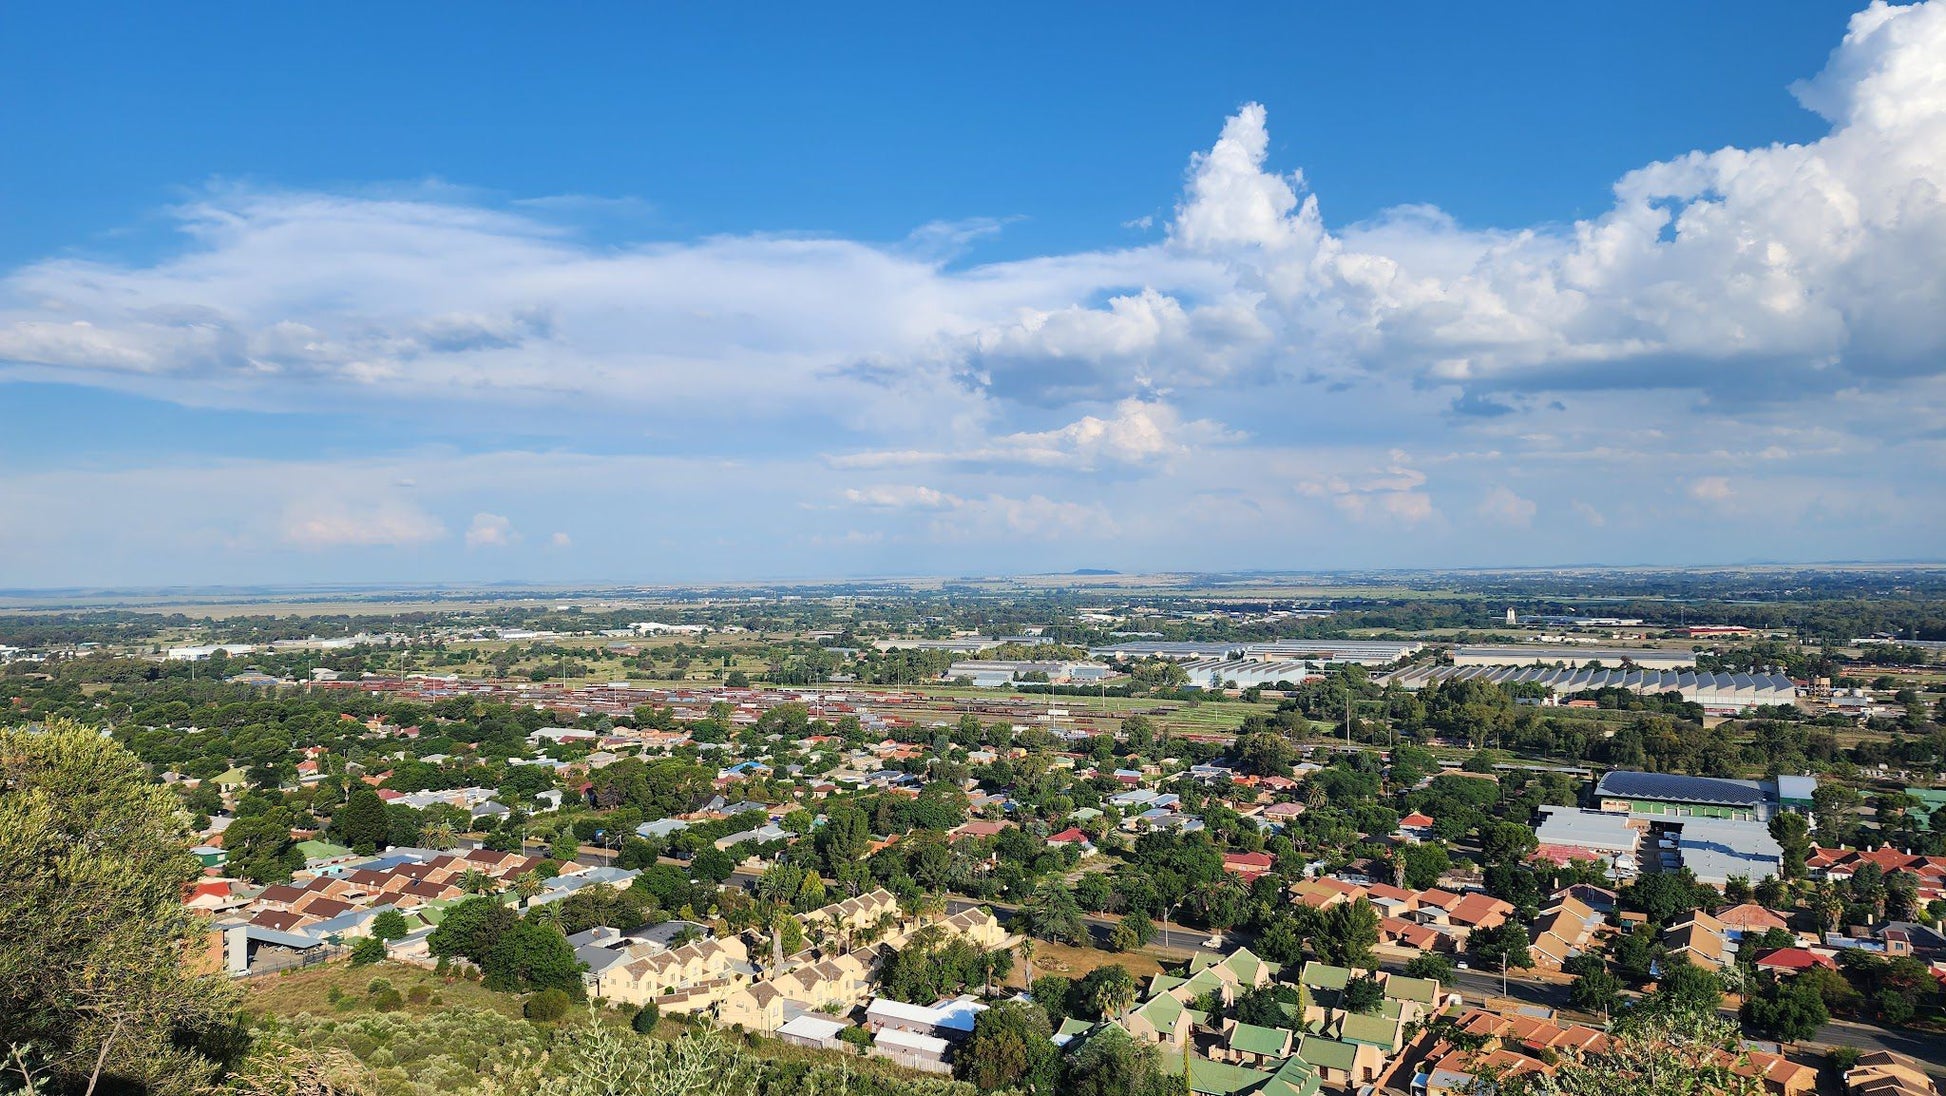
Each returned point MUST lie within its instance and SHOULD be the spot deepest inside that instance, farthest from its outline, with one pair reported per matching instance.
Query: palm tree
(440, 835)
(1026, 946)
(527, 885)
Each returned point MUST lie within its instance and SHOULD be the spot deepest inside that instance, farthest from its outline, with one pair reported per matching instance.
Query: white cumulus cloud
(491, 531)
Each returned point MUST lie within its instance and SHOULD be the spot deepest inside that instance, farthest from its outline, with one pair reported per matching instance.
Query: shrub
(419, 995)
(377, 986)
(548, 1004)
(858, 1037)
(645, 1018)
(388, 1000)
(366, 951)
(335, 995)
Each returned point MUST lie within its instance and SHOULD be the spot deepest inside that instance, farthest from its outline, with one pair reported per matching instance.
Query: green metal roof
(1245, 964)
(1295, 1077)
(1161, 1010)
(1327, 1053)
(1252, 1039)
(1420, 990)
(1375, 1030)
(1214, 1078)
(1324, 976)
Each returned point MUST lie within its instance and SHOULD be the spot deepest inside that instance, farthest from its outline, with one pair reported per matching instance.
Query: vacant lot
(309, 990)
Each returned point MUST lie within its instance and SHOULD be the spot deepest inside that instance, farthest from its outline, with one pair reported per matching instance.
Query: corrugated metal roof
(1688, 789)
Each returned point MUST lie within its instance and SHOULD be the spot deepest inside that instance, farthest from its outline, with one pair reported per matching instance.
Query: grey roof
(598, 959)
(1686, 789)
(665, 933)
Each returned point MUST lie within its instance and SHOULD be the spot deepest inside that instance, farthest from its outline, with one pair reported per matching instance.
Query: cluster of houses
(1484, 1048)
(1318, 1043)
(324, 907)
(806, 996)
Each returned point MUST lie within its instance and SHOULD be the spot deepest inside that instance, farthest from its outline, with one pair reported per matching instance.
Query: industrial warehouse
(1365, 652)
(1717, 693)
(1648, 658)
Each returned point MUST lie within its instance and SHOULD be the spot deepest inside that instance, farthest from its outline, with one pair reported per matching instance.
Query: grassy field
(1070, 962)
(309, 990)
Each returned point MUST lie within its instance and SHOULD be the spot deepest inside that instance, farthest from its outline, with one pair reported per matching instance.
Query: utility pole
(1347, 714)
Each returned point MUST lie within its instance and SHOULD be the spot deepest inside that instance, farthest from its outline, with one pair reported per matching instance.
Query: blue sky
(362, 293)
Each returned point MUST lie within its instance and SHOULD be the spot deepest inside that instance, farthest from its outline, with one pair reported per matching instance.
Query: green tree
(1052, 914)
(367, 950)
(646, 1019)
(1347, 933)
(1785, 1009)
(389, 925)
(1689, 986)
(1053, 993)
(93, 933)
(1011, 1047)
(470, 929)
(1112, 1064)
(1423, 864)
(1595, 990)
(1362, 994)
(1135, 930)
(260, 847)
(362, 822)
(547, 1005)
(530, 955)
(1431, 964)
(1106, 991)
(1793, 835)
(1499, 948)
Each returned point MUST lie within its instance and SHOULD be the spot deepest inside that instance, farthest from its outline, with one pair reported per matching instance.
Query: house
(758, 1008)
(1779, 1075)
(1415, 828)
(1883, 1073)
(1563, 931)
(1072, 837)
(1324, 892)
(914, 1051)
(816, 1032)
(1248, 865)
(1385, 1033)
(1162, 1019)
(1701, 940)
(1793, 961)
(1252, 1045)
(1750, 917)
(1340, 1064)
(948, 1019)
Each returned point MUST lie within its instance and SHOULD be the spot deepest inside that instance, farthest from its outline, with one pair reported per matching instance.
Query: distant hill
(1093, 571)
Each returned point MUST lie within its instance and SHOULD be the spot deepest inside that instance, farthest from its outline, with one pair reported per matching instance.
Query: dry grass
(309, 990)
(1073, 962)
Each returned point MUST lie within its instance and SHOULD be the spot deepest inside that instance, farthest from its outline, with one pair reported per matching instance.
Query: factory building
(1573, 655)
(1002, 673)
(1717, 693)
(1668, 795)
(1360, 651)
(1218, 673)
